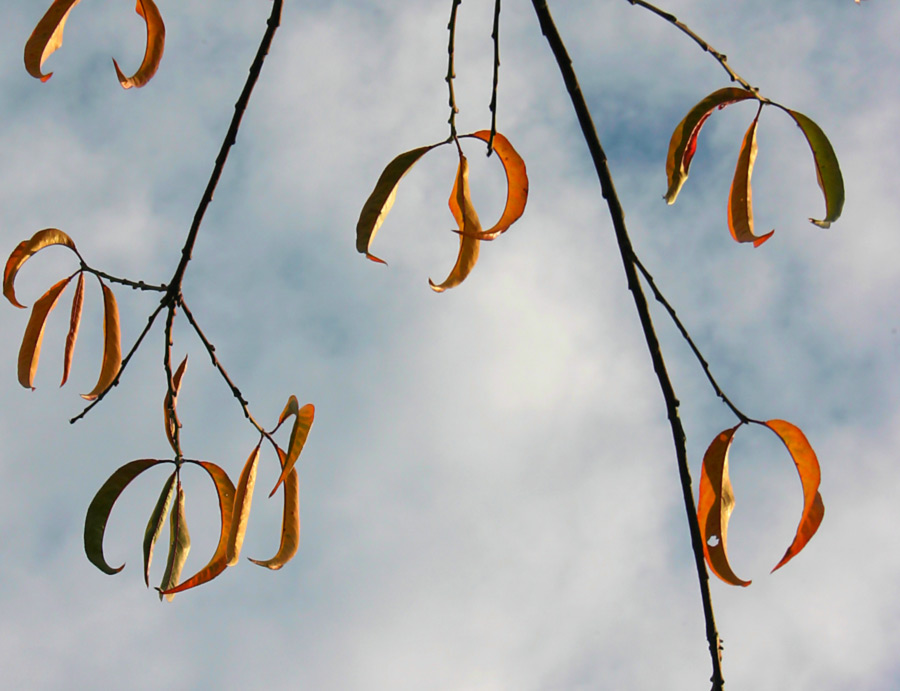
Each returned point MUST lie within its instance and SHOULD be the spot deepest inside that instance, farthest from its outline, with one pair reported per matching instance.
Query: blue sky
(489, 494)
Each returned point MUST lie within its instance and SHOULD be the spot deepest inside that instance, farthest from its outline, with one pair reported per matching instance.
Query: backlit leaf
(469, 229)
(74, 322)
(156, 39)
(714, 507)
(683, 143)
(47, 37)
(299, 432)
(219, 561)
(828, 171)
(382, 198)
(740, 197)
(808, 467)
(24, 250)
(101, 506)
(290, 521)
(170, 414)
(112, 345)
(30, 351)
(155, 524)
(179, 547)
(243, 498)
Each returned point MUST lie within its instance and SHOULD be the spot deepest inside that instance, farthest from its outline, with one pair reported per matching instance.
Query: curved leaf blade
(179, 547)
(101, 506)
(469, 229)
(156, 40)
(24, 250)
(807, 464)
(714, 507)
(243, 499)
(170, 401)
(299, 433)
(684, 139)
(740, 196)
(155, 523)
(218, 563)
(828, 170)
(516, 183)
(290, 521)
(30, 351)
(47, 37)
(74, 323)
(112, 346)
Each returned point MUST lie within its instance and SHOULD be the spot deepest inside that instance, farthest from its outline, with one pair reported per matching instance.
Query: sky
(489, 493)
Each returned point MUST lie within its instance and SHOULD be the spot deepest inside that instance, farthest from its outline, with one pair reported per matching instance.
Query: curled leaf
(808, 467)
(156, 39)
(30, 351)
(740, 197)
(290, 521)
(714, 507)
(243, 498)
(382, 198)
(469, 229)
(170, 401)
(47, 37)
(299, 432)
(24, 250)
(101, 506)
(74, 323)
(683, 143)
(828, 170)
(112, 346)
(219, 561)
(179, 547)
(516, 183)
(155, 524)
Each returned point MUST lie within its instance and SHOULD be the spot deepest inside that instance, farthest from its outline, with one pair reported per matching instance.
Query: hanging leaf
(30, 351)
(179, 547)
(47, 37)
(112, 345)
(156, 39)
(24, 250)
(808, 467)
(74, 323)
(714, 507)
(469, 229)
(303, 419)
(243, 498)
(101, 506)
(170, 401)
(828, 170)
(740, 197)
(683, 143)
(216, 565)
(382, 198)
(155, 524)
(290, 520)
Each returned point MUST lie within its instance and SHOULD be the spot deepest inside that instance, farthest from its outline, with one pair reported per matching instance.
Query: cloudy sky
(489, 494)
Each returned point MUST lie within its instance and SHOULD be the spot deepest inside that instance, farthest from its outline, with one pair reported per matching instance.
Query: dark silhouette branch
(495, 36)
(451, 72)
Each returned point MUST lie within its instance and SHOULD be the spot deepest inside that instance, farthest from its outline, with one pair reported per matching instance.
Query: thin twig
(451, 73)
(136, 285)
(495, 35)
(607, 187)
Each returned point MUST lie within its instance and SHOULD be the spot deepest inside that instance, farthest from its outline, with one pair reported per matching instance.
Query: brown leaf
(30, 351)
(170, 401)
(112, 346)
(299, 432)
(74, 322)
(24, 250)
(290, 521)
(156, 40)
(740, 196)
(243, 498)
(47, 37)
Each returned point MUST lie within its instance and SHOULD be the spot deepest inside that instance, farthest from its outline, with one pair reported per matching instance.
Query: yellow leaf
(112, 346)
(469, 229)
(828, 170)
(155, 523)
(179, 546)
(740, 197)
(74, 322)
(714, 507)
(30, 351)
(47, 37)
(170, 414)
(516, 183)
(156, 39)
(243, 498)
(290, 521)
(299, 432)
(24, 250)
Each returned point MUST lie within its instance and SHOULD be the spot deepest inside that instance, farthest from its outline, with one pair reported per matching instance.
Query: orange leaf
(216, 565)
(47, 37)
(299, 432)
(469, 229)
(684, 139)
(34, 333)
(714, 507)
(808, 467)
(112, 345)
(243, 498)
(170, 402)
(156, 39)
(179, 546)
(26, 248)
(74, 322)
(740, 197)
(516, 183)
(290, 521)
